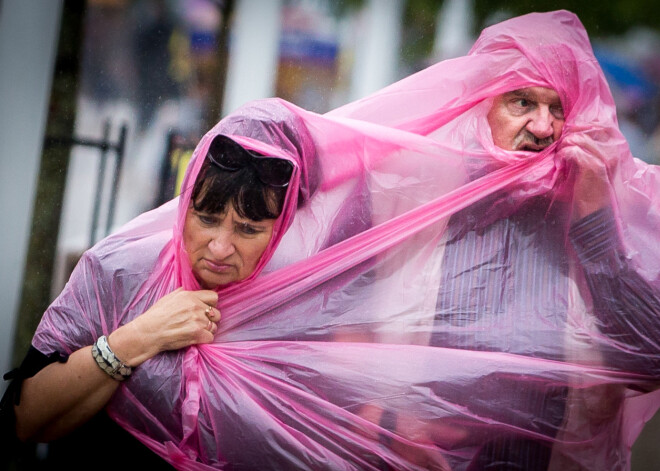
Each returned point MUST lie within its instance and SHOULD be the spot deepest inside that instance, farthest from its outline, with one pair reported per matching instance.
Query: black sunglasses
(231, 157)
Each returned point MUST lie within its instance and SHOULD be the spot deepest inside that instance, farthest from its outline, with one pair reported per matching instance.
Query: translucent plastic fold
(428, 300)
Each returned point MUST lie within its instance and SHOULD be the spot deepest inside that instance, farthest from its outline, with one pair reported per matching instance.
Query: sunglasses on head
(231, 157)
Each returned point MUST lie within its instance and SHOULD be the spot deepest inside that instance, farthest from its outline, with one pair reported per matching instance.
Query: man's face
(526, 119)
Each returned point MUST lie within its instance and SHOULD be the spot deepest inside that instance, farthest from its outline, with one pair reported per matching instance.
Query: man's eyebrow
(520, 93)
(528, 95)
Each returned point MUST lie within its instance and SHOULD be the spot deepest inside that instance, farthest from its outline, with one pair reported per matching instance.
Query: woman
(157, 286)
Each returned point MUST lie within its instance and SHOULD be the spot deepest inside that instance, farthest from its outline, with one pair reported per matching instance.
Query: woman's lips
(217, 267)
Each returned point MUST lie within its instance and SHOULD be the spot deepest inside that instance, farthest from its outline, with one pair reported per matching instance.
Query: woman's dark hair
(250, 197)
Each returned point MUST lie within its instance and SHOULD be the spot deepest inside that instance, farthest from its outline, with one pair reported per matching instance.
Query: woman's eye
(522, 103)
(248, 229)
(206, 220)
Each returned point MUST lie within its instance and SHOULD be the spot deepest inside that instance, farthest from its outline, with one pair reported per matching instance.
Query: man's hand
(591, 191)
(589, 172)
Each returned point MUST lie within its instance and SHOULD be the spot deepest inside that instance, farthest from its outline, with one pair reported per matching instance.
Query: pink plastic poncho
(428, 301)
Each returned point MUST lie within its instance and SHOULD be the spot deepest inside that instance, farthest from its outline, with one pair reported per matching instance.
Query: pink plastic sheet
(428, 300)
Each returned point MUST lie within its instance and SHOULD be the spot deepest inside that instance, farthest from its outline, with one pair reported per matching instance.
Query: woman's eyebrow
(255, 224)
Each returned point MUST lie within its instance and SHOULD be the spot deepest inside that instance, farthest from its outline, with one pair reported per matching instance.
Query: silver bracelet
(107, 360)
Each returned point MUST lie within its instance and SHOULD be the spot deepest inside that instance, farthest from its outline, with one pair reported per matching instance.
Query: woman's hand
(62, 396)
(177, 320)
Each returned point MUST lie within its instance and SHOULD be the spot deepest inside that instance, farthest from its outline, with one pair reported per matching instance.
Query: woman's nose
(222, 245)
(541, 124)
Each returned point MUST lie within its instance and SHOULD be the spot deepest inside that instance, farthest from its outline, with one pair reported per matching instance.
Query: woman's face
(224, 247)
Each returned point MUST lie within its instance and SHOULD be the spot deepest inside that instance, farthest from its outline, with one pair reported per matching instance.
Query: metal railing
(105, 146)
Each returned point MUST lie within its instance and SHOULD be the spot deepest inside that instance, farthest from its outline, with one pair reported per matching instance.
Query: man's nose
(222, 245)
(541, 123)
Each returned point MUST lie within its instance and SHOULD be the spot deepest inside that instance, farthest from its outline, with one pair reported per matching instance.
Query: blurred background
(101, 102)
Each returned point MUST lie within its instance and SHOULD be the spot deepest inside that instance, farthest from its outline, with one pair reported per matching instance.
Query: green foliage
(345, 7)
(419, 29)
(600, 18)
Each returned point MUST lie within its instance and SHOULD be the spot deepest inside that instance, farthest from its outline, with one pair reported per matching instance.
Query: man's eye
(522, 102)
(557, 112)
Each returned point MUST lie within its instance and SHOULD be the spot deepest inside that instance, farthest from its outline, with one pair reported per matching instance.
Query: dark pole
(40, 260)
(100, 179)
(214, 107)
(119, 160)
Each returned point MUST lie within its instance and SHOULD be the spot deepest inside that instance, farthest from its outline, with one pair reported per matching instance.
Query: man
(536, 267)
(493, 296)
(490, 292)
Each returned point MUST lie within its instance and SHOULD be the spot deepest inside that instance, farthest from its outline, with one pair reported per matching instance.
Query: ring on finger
(208, 311)
(209, 327)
